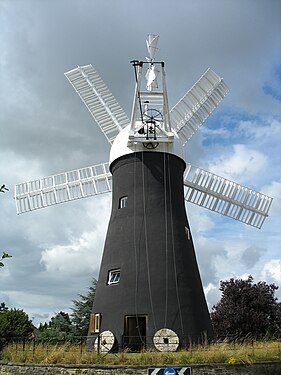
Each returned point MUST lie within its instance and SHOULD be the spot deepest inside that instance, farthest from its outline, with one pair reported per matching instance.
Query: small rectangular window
(113, 277)
(123, 202)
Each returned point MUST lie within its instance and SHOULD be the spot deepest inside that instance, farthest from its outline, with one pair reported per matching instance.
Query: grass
(231, 353)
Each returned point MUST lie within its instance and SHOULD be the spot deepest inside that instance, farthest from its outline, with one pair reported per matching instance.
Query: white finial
(151, 74)
(151, 43)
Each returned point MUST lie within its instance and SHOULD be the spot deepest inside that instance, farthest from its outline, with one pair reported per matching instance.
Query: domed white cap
(120, 146)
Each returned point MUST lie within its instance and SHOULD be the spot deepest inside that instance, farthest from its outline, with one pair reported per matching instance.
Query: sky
(46, 129)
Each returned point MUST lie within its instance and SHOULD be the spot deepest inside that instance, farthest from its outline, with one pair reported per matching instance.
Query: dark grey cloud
(252, 255)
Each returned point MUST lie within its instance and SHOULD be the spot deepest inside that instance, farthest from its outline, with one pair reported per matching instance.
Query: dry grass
(258, 351)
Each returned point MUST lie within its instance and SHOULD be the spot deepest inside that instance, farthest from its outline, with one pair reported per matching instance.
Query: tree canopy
(246, 308)
(14, 323)
(60, 328)
(70, 327)
(82, 309)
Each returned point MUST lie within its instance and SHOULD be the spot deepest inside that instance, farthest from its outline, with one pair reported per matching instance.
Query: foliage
(82, 309)
(59, 329)
(65, 327)
(14, 323)
(246, 308)
(3, 306)
(4, 255)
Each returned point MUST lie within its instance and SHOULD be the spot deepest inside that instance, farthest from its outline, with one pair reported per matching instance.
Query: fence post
(98, 344)
(23, 345)
(34, 345)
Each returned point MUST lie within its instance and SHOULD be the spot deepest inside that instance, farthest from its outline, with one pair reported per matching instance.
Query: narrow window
(123, 202)
(95, 320)
(113, 277)
(187, 233)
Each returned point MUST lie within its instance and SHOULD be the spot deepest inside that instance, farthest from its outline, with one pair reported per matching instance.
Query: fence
(104, 344)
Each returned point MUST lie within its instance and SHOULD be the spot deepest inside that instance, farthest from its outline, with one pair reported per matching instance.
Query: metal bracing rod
(166, 112)
(137, 99)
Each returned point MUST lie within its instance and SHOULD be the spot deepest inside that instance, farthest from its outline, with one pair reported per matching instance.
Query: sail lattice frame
(62, 187)
(102, 105)
(226, 197)
(197, 104)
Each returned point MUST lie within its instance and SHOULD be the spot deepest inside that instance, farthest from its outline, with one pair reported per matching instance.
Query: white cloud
(82, 253)
(81, 256)
(274, 190)
(262, 129)
(221, 132)
(213, 295)
(272, 271)
(243, 164)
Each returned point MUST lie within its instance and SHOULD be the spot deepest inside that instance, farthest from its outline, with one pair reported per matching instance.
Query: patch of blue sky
(272, 87)
(224, 127)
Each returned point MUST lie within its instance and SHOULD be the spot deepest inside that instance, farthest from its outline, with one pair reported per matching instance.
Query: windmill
(149, 290)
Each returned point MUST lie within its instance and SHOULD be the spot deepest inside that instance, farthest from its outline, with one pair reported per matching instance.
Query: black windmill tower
(149, 290)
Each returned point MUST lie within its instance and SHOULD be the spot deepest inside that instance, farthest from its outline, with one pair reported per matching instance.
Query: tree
(3, 306)
(246, 308)
(82, 309)
(60, 328)
(14, 323)
(63, 327)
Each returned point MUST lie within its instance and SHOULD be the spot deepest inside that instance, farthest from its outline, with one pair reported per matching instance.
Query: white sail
(98, 99)
(197, 104)
(226, 197)
(62, 187)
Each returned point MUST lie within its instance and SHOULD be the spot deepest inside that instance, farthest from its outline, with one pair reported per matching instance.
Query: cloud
(81, 252)
(272, 271)
(261, 129)
(251, 256)
(241, 165)
(212, 294)
(272, 87)
(80, 257)
(274, 190)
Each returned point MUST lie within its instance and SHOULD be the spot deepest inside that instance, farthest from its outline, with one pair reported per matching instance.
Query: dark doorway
(135, 332)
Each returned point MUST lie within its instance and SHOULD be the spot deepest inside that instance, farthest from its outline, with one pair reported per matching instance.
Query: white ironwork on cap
(98, 99)
(225, 197)
(63, 187)
(197, 104)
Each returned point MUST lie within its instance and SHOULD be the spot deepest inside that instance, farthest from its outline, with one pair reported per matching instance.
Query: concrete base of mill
(149, 280)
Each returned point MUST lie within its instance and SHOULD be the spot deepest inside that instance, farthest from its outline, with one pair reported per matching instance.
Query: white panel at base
(226, 197)
(63, 187)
